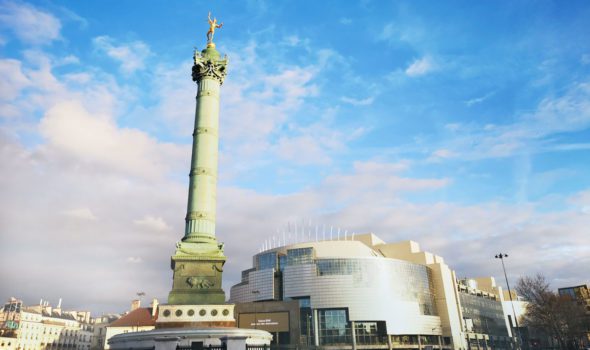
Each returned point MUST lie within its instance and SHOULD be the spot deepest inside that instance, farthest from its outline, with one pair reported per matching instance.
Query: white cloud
(28, 23)
(72, 130)
(130, 55)
(13, 79)
(358, 102)
(412, 33)
(152, 223)
(420, 67)
(81, 213)
(345, 20)
(480, 99)
(388, 32)
(134, 260)
(530, 133)
(69, 59)
(441, 154)
(79, 78)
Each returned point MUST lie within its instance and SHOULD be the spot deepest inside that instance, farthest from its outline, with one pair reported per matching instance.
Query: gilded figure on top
(212, 26)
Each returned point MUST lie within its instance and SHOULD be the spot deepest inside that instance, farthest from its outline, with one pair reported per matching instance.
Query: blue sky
(461, 125)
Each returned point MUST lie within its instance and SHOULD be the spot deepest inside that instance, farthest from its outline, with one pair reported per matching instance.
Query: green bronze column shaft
(201, 209)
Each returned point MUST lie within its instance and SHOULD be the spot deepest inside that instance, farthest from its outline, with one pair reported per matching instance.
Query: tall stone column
(198, 261)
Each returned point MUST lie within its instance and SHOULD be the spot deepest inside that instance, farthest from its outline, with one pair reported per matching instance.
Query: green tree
(557, 316)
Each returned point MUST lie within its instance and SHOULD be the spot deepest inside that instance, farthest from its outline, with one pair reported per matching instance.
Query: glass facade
(266, 261)
(376, 295)
(413, 282)
(299, 256)
(334, 327)
(486, 314)
(370, 333)
(397, 294)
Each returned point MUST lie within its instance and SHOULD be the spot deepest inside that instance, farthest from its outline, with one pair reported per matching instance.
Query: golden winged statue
(212, 26)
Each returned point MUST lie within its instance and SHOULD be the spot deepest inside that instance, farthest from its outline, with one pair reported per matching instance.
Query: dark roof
(137, 318)
(60, 315)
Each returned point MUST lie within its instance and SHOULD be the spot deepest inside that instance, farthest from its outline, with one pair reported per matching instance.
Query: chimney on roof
(58, 308)
(47, 308)
(135, 304)
(154, 305)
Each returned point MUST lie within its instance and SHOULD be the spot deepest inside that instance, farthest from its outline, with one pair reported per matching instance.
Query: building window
(370, 333)
(299, 256)
(266, 261)
(334, 327)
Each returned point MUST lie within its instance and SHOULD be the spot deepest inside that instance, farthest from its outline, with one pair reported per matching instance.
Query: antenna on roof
(338, 233)
(316, 232)
(345, 233)
(331, 229)
(324, 232)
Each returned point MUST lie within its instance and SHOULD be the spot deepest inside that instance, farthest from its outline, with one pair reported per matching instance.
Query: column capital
(208, 63)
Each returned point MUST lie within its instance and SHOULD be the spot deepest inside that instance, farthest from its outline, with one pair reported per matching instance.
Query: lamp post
(501, 256)
(255, 293)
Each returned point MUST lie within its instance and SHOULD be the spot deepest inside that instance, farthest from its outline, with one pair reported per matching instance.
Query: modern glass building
(360, 293)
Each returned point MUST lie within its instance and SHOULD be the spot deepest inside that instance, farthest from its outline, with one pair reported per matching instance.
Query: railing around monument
(201, 347)
(257, 347)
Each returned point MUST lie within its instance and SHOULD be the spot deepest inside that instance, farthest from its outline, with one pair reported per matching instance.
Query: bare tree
(560, 317)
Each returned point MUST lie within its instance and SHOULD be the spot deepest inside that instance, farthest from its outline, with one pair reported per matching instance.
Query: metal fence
(200, 346)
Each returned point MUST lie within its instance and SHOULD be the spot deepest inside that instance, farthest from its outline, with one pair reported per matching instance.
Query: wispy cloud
(480, 99)
(440, 154)
(420, 67)
(134, 260)
(81, 213)
(152, 223)
(13, 79)
(130, 55)
(531, 132)
(29, 24)
(358, 102)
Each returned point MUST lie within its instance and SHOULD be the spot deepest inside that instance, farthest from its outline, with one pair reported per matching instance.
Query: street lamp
(501, 256)
(255, 293)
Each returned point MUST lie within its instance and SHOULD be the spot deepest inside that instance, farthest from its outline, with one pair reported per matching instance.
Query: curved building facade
(359, 293)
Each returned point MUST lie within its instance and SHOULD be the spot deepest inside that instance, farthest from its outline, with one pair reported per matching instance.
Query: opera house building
(363, 293)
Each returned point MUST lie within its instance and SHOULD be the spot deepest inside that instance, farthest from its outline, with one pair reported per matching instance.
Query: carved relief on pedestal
(199, 282)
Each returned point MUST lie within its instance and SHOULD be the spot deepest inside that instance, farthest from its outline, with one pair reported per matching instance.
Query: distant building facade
(365, 293)
(99, 334)
(581, 295)
(42, 327)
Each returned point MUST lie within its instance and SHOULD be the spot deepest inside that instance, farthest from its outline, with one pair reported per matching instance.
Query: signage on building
(268, 321)
(11, 324)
